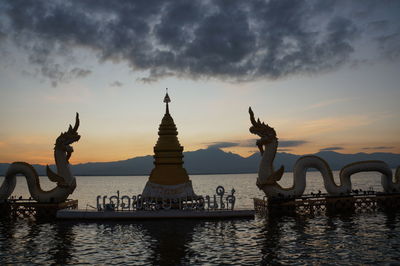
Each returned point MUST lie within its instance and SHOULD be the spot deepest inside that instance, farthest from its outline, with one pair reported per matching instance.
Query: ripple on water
(362, 238)
(372, 238)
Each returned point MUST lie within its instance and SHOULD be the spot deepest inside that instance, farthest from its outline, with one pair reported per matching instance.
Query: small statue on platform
(66, 182)
(268, 178)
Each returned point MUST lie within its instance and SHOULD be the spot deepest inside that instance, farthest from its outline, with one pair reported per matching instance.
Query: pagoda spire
(167, 100)
(169, 178)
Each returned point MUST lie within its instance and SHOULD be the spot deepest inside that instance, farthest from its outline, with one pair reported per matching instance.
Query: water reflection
(29, 241)
(392, 222)
(170, 240)
(165, 242)
(62, 248)
(348, 239)
(271, 245)
(25, 241)
(282, 236)
(7, 232)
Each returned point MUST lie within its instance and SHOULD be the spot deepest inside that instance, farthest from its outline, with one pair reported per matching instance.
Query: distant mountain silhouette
(216, 161)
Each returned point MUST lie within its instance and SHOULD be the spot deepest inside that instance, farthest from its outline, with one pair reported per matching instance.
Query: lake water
(350, 239)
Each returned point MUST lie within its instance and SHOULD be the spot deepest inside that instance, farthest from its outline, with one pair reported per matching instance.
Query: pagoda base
(153, 190)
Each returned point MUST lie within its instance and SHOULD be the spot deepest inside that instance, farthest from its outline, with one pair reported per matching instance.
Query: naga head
(266, 133)
(65, 140)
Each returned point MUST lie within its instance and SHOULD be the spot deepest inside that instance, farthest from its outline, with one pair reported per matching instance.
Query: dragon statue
(66, 182)
(268, 178)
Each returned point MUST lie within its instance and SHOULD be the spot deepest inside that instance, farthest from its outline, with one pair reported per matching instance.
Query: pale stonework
(268, 177)
(154, 190)
(66, 182)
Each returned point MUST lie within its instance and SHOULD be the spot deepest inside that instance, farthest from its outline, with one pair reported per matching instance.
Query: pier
(325, 204)
(94, 215)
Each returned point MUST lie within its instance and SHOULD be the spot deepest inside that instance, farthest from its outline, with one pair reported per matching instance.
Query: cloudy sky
(324, 74)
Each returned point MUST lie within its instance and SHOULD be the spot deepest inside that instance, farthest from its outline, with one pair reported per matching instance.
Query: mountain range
(215, 161)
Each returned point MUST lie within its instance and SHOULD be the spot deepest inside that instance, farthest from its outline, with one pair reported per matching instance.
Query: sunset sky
(324, 74)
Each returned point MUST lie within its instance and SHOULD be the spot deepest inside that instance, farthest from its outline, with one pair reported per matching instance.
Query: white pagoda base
(153, 190)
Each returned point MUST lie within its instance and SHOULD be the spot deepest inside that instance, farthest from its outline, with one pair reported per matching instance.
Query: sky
(324, 74)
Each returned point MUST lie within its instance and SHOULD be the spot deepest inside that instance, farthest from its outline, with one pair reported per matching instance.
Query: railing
(29, 208)
(319, 203)
(118, 202)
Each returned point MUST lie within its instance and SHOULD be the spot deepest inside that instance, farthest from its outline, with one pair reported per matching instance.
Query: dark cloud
(251, 143)
(116, 84)
(378, 25)
(336, 148)
(390, 44)
(291, 143)
(57, 73)
(230, 40)
(222, 144)
(79, 72)
(378, 148)
(282, 143)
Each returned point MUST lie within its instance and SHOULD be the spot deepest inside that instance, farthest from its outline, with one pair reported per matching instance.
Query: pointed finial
(167, 100)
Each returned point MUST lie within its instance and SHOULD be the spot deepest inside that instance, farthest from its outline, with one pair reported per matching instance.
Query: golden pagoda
(168, 179)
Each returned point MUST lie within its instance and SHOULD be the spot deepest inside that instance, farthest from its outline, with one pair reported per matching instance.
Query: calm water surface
(368, 238)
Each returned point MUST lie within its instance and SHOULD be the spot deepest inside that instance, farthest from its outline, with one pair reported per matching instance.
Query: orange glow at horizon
(38, 149)
(84, 153)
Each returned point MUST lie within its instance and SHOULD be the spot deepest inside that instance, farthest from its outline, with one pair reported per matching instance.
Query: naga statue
(268, 178)
(66, 182)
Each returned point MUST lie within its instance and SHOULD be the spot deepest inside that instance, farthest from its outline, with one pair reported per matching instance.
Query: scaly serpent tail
(9, 183)
(7, 187)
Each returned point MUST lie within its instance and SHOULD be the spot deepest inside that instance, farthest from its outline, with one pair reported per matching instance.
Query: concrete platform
(160, 214)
